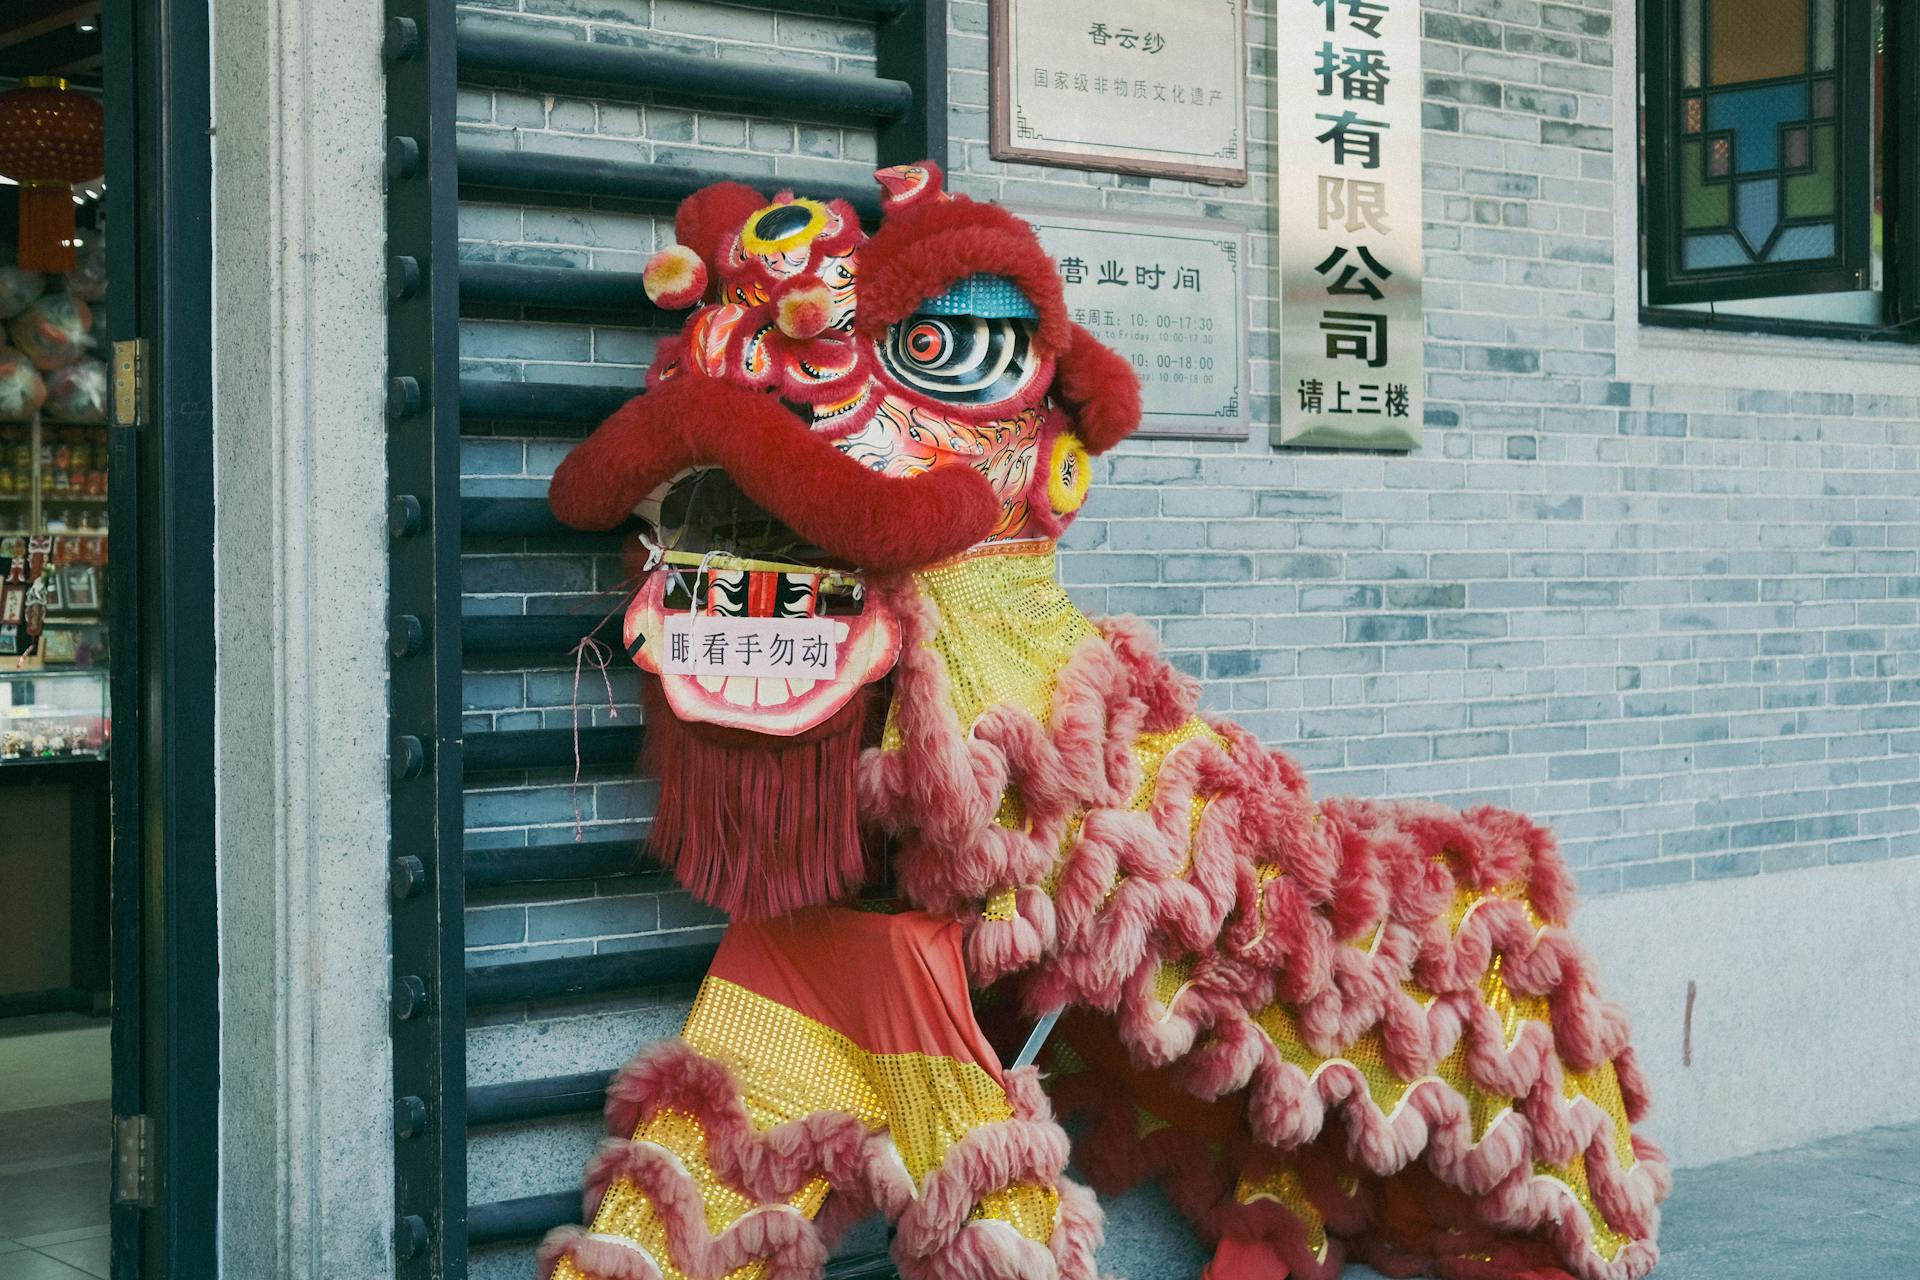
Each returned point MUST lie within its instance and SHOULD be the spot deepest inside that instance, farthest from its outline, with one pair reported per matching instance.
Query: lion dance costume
(1331, 1029)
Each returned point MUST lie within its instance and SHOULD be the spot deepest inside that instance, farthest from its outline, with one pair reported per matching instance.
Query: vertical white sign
(1347, 192)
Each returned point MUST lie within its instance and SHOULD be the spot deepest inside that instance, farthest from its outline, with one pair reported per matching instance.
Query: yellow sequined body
(1007, 629)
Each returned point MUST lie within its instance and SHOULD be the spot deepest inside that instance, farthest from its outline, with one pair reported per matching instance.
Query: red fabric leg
(1238, 1259)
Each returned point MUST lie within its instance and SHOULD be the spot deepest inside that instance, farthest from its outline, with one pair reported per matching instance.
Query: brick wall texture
(1677, 622)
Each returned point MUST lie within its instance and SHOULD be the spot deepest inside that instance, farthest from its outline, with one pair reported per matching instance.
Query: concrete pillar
(306, 1139)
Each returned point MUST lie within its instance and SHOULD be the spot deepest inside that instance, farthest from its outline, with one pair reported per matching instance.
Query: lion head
(884, 401)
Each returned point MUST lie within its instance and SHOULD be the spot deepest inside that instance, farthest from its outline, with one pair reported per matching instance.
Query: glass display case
(53, 715)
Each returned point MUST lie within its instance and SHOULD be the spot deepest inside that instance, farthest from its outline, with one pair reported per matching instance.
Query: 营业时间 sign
(1170, 296)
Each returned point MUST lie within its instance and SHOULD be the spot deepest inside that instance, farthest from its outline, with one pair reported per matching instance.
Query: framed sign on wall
(1170, 295)
(1347, 200)
(1154, 87)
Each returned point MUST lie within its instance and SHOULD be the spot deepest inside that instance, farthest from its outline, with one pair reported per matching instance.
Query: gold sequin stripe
(1006, 627)
(788, 1065)
(927, 1102)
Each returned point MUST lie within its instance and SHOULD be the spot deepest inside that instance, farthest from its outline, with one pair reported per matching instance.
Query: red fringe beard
(756, 825)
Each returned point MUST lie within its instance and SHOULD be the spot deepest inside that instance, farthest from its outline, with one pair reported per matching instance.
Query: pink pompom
(805, 312)
(675, 277)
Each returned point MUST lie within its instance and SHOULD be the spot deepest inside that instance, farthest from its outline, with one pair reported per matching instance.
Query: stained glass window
(1759, 148)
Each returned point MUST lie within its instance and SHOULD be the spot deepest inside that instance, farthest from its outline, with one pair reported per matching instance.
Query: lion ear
(712, 216)
(905, 185)
(1099, 389)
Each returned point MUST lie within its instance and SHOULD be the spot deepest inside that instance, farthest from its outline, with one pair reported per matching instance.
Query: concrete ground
(1846, 1208)
(55, 1125)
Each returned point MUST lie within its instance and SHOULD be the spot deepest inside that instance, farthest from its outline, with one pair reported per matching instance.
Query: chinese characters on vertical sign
(1131, 86)
(1170, 296)
(1347, 191)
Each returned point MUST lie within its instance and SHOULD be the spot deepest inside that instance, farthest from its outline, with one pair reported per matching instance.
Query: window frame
(1902, 186)
(1667, 284)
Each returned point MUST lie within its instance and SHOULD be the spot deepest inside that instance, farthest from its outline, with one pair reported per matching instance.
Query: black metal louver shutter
(490, 595)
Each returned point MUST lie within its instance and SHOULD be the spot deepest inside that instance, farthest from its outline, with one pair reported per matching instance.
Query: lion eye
(928, 344)
(963, 359)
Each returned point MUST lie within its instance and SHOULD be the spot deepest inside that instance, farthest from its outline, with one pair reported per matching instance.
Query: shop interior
(56, 724)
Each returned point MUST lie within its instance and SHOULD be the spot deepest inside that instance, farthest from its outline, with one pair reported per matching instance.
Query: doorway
(56, 726)
(108, 1079)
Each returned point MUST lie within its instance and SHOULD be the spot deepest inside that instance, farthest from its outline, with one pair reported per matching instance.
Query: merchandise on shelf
(88, 279)
(53, 715)
(78, 392)
(22, 389)
(18, 287)
(52, 331)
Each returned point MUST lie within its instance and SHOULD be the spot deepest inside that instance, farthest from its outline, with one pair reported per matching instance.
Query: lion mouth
(703, 510)
(824, 497)
(729, 568)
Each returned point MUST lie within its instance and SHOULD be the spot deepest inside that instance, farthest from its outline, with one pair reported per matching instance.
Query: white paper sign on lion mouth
(794, 648)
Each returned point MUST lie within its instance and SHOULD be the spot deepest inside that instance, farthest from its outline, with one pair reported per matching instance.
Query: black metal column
(423, 471)
(912, 46)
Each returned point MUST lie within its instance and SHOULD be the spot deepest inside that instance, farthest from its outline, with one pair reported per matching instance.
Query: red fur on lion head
(785, 359)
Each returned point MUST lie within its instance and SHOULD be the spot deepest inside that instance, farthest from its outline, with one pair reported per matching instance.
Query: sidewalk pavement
(1847, 1208)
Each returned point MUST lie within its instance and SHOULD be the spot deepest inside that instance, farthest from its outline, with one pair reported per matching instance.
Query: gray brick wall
(1677, 622)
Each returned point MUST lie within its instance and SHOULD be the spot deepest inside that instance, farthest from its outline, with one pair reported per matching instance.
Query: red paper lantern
(51, 137)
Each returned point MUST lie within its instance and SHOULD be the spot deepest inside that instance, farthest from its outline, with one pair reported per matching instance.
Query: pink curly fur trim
(1378, 874)
(934, 1238)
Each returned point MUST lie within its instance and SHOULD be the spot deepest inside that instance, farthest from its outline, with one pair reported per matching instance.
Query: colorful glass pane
(1756, 153)
(1757, 213)
(1810, 195)
(1794, 145)
(1756, 40)
(1826, 34)
(1801, 244)
(1701, 204)
(1706, 253)
(1692, 59)
(1754, 117)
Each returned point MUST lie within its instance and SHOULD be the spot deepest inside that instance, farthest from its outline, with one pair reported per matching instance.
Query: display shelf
(47, 466)
(53, 715)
